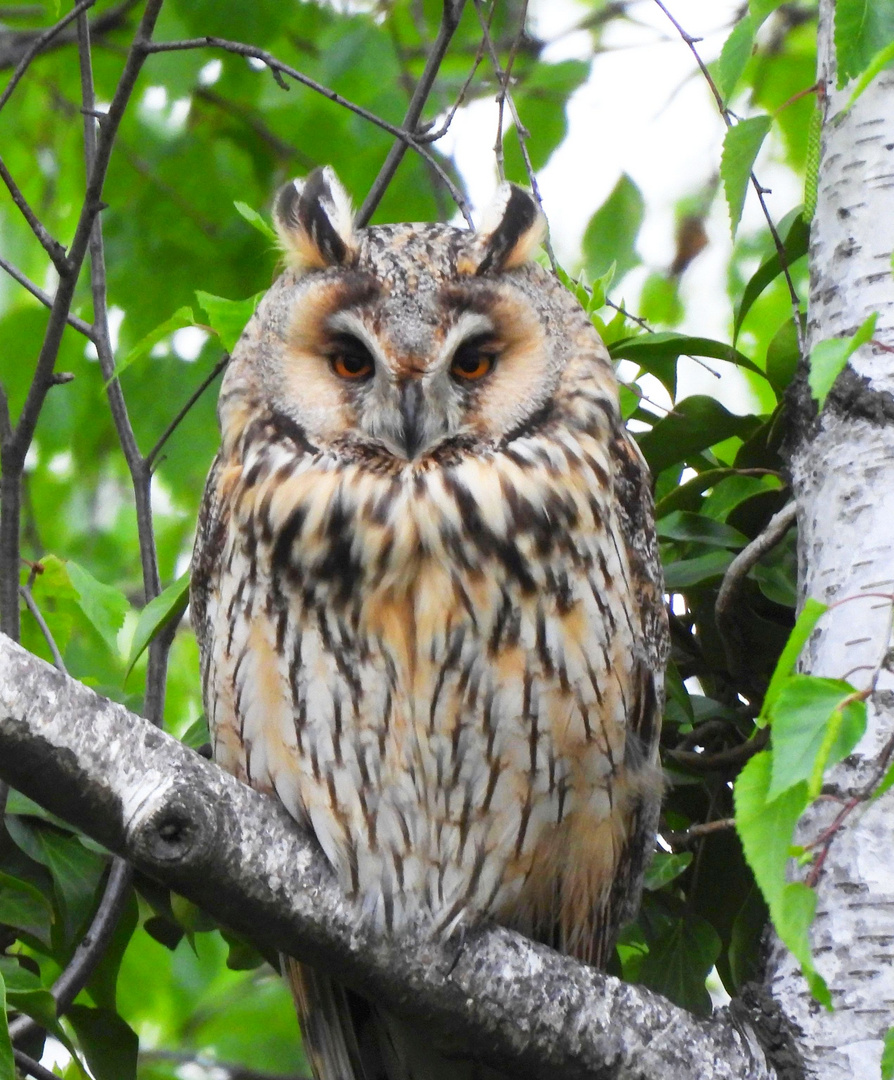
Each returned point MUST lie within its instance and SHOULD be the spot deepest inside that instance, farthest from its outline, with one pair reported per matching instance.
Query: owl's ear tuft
(512, 229)
(314, 221)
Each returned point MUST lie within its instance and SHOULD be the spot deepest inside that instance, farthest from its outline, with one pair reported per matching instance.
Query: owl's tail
(348, 1038)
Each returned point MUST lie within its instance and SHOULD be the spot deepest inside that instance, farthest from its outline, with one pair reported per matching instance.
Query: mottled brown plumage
(427, 594)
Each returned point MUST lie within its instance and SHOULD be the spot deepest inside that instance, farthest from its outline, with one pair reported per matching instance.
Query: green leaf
(159, 613)
(783, 354)
(828, 359)
(877, 64)
(611, 234)
(684, 526)
(807, 619)
(25, 908)
(886, 783)
(794, 247)
(863, 29)
(734, 55)
(679, 961)
(104, 606)
(182, 317)
(646, 348)
(760, 9)
(888, 1055)
(734, 490)
(660, 302)
(255, 219)
(740, 147)
(799, 717)
(695, 424)
(766, 828)
(109, 1044)
(227, 318)
(664, 868)
(76, 872)
(26, 993)
(7, 1062)
(688, 572)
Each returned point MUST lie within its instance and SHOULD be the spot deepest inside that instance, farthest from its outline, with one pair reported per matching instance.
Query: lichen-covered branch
(238, 855)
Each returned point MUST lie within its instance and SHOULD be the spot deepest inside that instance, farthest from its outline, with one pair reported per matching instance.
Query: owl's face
(404, 343)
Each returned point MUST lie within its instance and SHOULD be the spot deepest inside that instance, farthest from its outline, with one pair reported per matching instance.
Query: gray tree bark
(843, 473)
(238, 855)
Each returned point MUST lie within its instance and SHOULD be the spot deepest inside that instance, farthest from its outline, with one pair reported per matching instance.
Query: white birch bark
(843, 472)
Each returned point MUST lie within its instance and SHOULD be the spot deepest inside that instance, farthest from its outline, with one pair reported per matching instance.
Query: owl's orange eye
(473, 360)
(351, 360)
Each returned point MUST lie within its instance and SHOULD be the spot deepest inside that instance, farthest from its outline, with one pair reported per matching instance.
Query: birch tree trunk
(843, 471)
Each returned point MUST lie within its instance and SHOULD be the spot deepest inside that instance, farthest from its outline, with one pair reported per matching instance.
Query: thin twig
(32, 1068)
(37, 46)
(520, 130)
(760, 190)
(450, 17)
(695, 833)
(15, 446)
(191, 400)
(504, 85)
(723, 760)
(78, 324)
(140, 472)
(90, 950)
(51, 246)
(44, 629)
(724, 608)
(278, 69)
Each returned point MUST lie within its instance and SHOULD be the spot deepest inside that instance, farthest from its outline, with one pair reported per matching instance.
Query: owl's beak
(411, 416)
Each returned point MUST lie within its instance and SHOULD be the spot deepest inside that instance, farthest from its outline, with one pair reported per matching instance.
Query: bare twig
(32, 1068)
(759, 189)
(695, 833)
(140, 471)
(15, 446)
(724, 608)
(44, 629)
(50, 245)
(449, 21)
(191, 400)
(278, 69)
(504, 86)
(520, 130)
(90, 949)
(38, 45)
(724, 760)
(78, 324)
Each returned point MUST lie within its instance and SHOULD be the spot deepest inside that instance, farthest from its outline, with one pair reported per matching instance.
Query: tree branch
(278, 69)
(236, 853)
(450, 17)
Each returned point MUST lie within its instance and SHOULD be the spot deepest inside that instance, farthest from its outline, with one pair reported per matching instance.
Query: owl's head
(402, 343)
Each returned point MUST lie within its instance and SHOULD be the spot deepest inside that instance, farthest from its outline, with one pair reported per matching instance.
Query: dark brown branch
(78, 324)
(140, 471)
(737, 571)
(450, 17)
(37, 45)
(90, 949)
(32, 1068)
(36, 614)
(50, 245)
(679, 841)
(278, 69)
(237, 854)
(15, 446)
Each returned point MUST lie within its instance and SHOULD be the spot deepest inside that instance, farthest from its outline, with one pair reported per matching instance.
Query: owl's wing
(211, 534)
(635, 509)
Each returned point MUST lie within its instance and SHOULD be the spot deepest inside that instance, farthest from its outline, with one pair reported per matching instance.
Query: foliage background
(206, 130)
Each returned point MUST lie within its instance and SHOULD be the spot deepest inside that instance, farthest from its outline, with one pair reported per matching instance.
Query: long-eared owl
(427, 594)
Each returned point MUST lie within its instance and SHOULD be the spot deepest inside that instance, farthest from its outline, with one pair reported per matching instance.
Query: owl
(428, 599)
